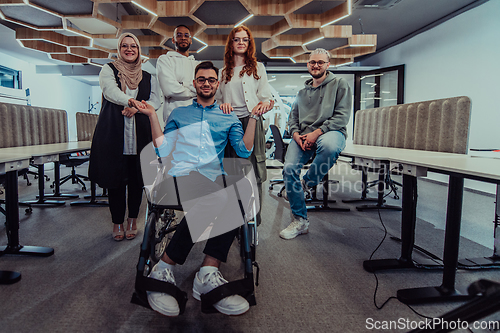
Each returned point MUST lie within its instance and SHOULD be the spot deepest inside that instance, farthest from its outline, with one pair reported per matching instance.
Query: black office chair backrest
(279, 152)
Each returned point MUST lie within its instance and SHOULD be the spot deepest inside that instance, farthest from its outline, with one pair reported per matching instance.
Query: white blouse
(112, 93)
(245, 90)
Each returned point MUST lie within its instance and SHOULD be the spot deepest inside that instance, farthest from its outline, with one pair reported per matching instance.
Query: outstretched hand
(262, 108)
(146, 109)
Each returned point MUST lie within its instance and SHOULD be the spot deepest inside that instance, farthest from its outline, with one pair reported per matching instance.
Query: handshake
(135, 106)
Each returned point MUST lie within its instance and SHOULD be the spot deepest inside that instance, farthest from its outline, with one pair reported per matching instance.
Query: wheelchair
(161, 222)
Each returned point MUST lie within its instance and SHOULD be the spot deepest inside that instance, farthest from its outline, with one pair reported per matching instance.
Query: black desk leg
(408, 223)
(364, 190)
(445, 292)
(9, 277)
(380, 198)
(315, 205)
(12, 222)
(41, 191)
(494, 260)
(92, 202)
(103, 195)
(57, 185)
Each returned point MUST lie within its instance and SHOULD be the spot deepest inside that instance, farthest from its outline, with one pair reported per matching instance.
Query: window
(10, 78)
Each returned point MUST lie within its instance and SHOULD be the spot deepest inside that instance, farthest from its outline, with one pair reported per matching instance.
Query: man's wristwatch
(254, 117)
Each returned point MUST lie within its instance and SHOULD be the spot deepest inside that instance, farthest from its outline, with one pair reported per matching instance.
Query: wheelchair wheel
(164, 225)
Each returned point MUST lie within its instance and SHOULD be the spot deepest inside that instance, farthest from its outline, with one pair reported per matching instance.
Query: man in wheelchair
(194, 138)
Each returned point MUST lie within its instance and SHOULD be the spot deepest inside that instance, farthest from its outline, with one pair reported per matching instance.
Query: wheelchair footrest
(144, 284)
(242, 287)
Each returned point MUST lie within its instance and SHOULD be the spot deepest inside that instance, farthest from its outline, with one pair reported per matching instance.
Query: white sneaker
(161, 302)
(298, 226)
(231, 305)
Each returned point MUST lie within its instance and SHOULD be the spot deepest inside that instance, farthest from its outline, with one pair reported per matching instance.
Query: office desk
(10, 163)
(42, 154)
(413, 164)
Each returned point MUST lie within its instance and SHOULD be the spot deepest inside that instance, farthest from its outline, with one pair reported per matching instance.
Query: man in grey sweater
(317, 123)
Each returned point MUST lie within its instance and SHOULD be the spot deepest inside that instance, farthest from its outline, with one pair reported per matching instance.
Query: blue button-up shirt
(196, 137)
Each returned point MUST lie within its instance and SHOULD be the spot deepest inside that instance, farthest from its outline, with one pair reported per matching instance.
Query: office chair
(73, 162)
(279, 155)
(384, 182)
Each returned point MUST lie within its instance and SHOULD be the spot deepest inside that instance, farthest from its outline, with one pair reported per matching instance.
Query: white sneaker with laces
(161, 302)
(231, 305)
(299, 226)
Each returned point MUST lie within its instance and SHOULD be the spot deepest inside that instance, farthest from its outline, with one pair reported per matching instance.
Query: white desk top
(487, 168)
(13, 161)
(49, 149)
(13, 157)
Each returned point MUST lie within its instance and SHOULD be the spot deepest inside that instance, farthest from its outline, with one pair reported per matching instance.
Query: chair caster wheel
(280, 194)
(84, 188)
(51, 186)
(28, 210)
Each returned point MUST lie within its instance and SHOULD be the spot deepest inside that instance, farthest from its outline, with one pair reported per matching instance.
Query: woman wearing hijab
(121, 133)
(244, 87)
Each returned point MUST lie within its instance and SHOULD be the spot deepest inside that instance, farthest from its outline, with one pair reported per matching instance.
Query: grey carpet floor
(314, 283)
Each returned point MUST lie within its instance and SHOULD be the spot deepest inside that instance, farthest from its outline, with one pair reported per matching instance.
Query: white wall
(459, 57)
(49, 90)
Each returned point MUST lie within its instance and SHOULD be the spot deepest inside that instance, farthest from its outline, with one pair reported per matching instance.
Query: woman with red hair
(244, 87)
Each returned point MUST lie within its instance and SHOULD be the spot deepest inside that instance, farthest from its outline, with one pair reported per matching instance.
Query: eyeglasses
(185, 35)
(202, 79)
(320, 63)
(126, 46)
(244, 40)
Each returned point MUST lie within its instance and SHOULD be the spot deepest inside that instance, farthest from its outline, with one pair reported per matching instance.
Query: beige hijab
(130, 74)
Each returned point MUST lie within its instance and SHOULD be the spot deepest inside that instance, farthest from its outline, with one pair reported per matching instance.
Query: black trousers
(129, 192)
(196, 188)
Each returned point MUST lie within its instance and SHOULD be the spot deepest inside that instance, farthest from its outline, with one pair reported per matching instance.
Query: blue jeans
(327, 149)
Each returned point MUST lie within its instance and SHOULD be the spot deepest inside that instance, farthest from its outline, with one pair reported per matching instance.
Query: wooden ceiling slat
(337, 31)
(44, 46)
(277, 42)
(173, 8)
(334, 13)
(135, 21)
(150, 40)
(91, 54)
(69, 58)
(12, 2)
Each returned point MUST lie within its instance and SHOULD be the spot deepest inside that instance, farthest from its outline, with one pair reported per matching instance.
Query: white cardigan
(255, 91)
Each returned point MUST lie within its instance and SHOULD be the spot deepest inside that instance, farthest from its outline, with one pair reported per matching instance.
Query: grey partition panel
(85, 125)
(438, 125)
(23, 125)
